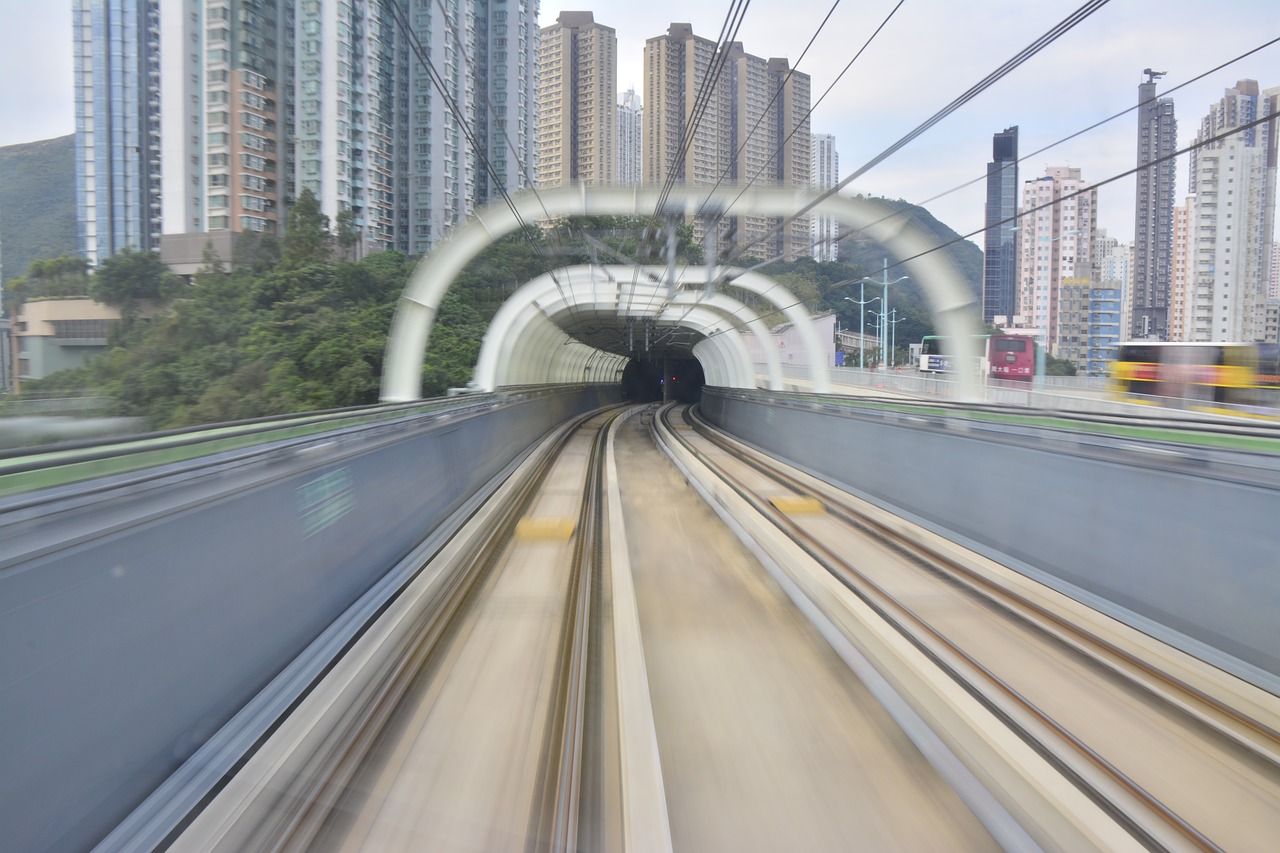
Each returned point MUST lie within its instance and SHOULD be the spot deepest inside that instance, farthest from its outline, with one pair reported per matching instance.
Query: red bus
(1011, 357)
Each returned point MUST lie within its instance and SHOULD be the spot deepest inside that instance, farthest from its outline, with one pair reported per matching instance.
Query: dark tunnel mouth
(652, 380)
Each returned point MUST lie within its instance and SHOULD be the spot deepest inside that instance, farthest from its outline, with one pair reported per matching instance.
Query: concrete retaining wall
(128, 639)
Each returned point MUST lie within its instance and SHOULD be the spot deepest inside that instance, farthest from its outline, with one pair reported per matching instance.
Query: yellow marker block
(797, 505)
(545, 528)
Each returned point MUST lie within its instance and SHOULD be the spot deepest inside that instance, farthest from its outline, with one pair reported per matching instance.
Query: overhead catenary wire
(1071, 136)
(851, 230)
(438, 83)
(728, 34)
(779, 148)
(1054, 33)
(1066, 197)
(488, 105)
(776, 94)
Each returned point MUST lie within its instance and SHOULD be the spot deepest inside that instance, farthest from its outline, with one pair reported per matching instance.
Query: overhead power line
(821, 98)
(1122, 175)
(776, 94)
(438, 83)
(1080, 132)
(728, 34)
(1128, 173)
(1057, 31)
(851, 230)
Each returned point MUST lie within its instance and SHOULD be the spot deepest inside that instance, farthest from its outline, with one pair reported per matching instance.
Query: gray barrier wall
(1187, 546)
(133, 629)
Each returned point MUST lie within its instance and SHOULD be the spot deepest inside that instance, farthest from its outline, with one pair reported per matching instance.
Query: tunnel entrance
(644, 380)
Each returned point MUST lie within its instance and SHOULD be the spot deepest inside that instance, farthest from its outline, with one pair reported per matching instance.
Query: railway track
(501, 701)
(463, 717)
(1118, 741)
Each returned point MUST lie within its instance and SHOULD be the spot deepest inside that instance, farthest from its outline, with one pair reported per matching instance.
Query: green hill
(861, 251)
(37, 202)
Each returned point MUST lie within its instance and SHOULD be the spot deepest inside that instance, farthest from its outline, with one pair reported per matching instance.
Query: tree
(1058, 366)
(127, 279)
(61, 276)
(348, 235)
(306, 233)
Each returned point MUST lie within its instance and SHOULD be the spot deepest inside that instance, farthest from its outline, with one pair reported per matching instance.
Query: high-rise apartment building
(1234, 182)
(346, 118)
(752, 126)
(116, 45)
(1000, 263)
(498, 43)
(1056, 250)
(1273, 276)
(577, 102)
(261, 99)
(824, 173)
(630, 127)
(1104, 329)
(1180, 298)
(1153, 214)
(226, 119)
(1113, 269)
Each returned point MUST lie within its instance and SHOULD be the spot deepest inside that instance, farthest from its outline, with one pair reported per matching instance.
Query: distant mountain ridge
(37, 203)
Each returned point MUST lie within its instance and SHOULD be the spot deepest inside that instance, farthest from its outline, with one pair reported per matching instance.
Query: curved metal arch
(953, 307)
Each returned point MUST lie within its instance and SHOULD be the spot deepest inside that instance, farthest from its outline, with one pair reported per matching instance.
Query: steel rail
(555, 819)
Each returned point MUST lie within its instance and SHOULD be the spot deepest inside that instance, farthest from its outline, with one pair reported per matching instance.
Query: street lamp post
(884, 303)
(893, 321)
(879, 320)
(862, 322)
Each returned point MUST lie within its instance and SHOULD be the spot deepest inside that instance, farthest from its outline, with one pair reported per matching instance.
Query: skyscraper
(1234, 183)
(1056, 254)
(824, 174)
(630, 123)
(1153, 215)
(499, 50)
(752, 127)
(345, 121)
(116, 44)
(577, 102)
(261, 99)
(1180, 293)
(1000, 266)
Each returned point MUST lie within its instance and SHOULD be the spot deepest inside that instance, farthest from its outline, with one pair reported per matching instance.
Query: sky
(930, 52)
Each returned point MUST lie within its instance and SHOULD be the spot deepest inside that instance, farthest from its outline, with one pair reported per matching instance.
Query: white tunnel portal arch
(953, 308)
(509, 347)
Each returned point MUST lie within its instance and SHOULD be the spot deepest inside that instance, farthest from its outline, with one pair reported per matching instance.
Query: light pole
(862, 323)
(893, 321)
(879, 317)
(884, 302)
